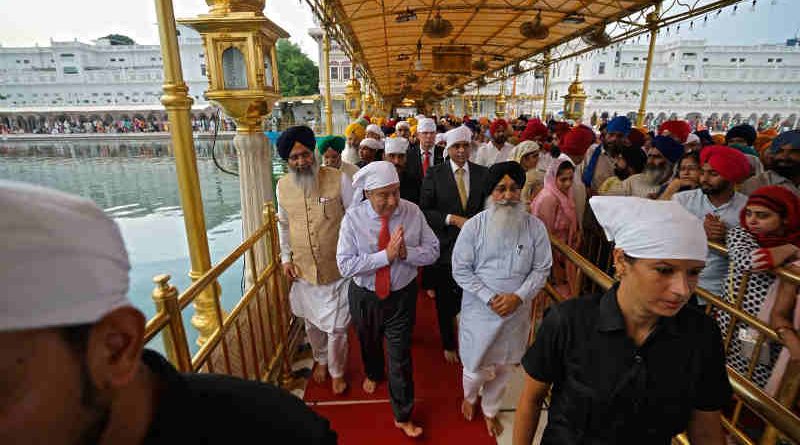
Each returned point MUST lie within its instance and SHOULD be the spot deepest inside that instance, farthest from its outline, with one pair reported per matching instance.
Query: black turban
(744, 131)
(498, 171)
(301, 134)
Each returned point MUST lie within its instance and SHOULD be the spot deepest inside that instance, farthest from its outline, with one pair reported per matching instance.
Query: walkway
(361, 418)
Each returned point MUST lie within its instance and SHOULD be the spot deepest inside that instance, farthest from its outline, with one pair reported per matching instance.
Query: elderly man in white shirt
(382, 242)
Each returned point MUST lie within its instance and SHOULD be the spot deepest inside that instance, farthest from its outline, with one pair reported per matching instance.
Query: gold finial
(162, 281)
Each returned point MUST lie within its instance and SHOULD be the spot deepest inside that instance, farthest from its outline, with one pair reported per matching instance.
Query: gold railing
(256, 339)
(776, 413)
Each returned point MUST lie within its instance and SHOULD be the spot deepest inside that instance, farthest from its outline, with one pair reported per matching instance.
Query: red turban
(783, 202)
(679, 129)
(534, 129)
(560, 129)
(391, 123)
(636, 138)
(577, 141)
(498, 124)
(730, 163)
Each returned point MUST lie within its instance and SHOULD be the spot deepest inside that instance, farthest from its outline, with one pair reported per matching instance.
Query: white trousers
(490, 382)
(328, 349)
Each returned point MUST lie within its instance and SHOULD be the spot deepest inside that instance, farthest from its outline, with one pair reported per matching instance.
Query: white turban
(372, 128)
(419, 117)
(396, 145)
(651, 229)
(692, 138)
(402, 124)
(62, 260)
(458, 134)
(440, 138)
(371, 143)
(375, 175)
(426, 125)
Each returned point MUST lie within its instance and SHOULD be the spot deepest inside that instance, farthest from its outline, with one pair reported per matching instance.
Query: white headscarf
(524, 148)
(402, 124)
(458, 134)
(440, 138)
(371, 143)
(62, 260)
(651, 229)
(372, 128)
(426, 125)
(396, 145)
(375, 175)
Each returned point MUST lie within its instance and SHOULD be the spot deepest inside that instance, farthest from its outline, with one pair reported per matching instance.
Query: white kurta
(485, 268)
(324, 306)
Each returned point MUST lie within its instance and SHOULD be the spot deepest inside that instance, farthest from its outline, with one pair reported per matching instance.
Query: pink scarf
(566, 219)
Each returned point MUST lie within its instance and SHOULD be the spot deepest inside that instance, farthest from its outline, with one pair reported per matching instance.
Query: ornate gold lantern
(352, 97)
(500, 105)
(241, 62)
(575, 99)
(369, 103)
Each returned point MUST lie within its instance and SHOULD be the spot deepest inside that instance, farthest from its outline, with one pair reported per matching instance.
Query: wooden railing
(776, 413)
(256, 339)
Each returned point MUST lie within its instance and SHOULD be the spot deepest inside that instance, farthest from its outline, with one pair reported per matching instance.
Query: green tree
(119, 39)
(298, 75)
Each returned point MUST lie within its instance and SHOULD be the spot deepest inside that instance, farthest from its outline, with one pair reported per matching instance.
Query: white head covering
(692, 138)
(458, 134)
(62, 260)
(402, 124)
(651, 229)
(375, 175)
(419, 117)
(396, 145)
(373, 128)
(426, 124)
(524, 148)
(439, 138)
(371, 143)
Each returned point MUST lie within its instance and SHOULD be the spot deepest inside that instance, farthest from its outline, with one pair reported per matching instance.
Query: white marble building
(98, 78)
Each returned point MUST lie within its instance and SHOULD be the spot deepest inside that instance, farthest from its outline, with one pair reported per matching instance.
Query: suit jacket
(439, 197)
(409, 187)
(414, 161)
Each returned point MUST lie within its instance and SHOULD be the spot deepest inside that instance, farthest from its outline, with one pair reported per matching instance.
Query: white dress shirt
(357, 253)
(488, 154)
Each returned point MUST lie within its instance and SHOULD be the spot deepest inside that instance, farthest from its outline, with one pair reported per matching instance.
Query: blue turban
(791, 137)
(301, 134)
(619, 124)
(670, 148)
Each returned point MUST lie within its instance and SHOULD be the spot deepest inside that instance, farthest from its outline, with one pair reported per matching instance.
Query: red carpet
(438, 394)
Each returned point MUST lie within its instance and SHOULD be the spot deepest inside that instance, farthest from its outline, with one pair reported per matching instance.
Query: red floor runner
(438, 396)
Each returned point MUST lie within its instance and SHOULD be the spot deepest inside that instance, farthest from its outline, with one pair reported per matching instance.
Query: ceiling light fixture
(406, 16)
(574, 19)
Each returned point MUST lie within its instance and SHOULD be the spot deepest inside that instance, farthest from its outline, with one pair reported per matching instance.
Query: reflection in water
(136, 183)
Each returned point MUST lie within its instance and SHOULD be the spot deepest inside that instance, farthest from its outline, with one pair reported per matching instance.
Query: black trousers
(448, 302)
(392, 318)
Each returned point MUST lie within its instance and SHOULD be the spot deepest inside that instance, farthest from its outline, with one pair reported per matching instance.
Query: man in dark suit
(395, 152)
(452, 192)
(426, 149)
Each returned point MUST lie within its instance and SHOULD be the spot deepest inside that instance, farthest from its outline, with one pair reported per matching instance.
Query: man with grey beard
(501, 260)
(658, 171)
(311, 204)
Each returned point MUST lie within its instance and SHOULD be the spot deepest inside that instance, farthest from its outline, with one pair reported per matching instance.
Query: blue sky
(36, 21)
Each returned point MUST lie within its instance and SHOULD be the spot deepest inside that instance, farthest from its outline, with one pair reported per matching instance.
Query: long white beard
(306, 180)
(506, 221)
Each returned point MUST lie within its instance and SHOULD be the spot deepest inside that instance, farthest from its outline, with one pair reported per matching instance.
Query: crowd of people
(459, 210)
(73, 125)
(491, 192)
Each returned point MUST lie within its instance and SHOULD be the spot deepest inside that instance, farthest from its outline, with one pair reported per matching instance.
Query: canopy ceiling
(377, 41)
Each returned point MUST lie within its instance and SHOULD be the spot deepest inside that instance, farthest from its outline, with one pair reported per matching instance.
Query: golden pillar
(546, 90)
(652, 22)
(178, 103)
(326, 63)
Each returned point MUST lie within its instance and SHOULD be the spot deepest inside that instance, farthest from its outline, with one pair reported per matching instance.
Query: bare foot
(339, 385)
(467, 409)
(369, 386)
(451, 357)
(431, 293)
(409, 428)
(320, 373)
(493, 426)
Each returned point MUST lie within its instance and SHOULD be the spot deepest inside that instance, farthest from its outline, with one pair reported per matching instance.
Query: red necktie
(426, 163)
(383, 279)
